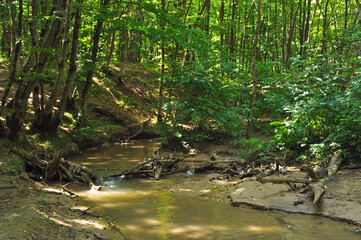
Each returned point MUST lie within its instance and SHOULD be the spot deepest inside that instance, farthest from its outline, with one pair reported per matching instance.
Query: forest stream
(146, 209)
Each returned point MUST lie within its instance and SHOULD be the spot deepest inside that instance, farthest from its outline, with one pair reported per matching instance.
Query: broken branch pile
(157, 167)
(151, 167)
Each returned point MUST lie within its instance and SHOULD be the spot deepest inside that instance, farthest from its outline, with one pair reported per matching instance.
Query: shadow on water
(145, 209)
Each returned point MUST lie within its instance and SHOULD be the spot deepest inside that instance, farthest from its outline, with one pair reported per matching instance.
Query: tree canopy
(221, 64)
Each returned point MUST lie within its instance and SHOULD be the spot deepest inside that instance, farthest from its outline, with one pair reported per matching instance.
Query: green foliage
(255, 148)
(88, 133)
(323, 118)
(199, 103)
(69, 120)
(15, 165)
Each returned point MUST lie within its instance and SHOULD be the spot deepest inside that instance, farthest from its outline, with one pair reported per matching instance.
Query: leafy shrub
(323, 120)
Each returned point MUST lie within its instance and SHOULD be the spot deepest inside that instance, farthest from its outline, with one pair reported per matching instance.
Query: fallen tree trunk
(318, 187)
(352, 166)
(285, 180)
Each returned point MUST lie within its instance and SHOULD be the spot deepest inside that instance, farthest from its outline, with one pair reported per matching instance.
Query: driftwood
(333, 166)
(157, 167)
(151, 167)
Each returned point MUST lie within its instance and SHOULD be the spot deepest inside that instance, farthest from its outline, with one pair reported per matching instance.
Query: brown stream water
(145, 209)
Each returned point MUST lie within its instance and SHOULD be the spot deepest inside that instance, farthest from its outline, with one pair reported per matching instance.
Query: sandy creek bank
(341, 201)
(34, 211)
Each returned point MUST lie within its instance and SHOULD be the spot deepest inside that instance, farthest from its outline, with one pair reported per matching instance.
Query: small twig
(118, 230)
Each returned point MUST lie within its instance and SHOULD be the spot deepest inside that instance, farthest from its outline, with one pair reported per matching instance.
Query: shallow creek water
(145, 209)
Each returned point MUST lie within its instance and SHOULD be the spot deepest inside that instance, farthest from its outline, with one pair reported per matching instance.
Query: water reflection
(145, 209)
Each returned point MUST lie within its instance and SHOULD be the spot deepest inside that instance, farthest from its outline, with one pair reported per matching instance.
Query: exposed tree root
(56, 169)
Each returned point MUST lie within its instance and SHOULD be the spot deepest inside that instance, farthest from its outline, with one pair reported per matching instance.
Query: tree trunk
(254, 70)
(6, 29)
(90, 67)
(232, 32)
(22, 95)
(15, 57)
(72, 67)
(290, 35)
(325, 25)
(45, 123)
(307, 27)
(359, 10)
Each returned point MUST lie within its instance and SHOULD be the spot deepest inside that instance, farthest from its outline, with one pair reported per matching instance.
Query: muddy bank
(341, 200)
(32, 210)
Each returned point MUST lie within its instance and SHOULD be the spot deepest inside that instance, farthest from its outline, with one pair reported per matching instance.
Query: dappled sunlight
(111, 196)
(88, 223)
(151, 221)
(186, 190)
(206, 191)
(141, 211)
(58, 221)
(53, 190)
(239, 190)
(114, 204)
(132, 227)
(263, 229)
(137, 147)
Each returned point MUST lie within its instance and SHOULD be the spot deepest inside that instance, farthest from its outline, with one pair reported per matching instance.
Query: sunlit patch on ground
(112, 196)
(58, 221)
(97, 225)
